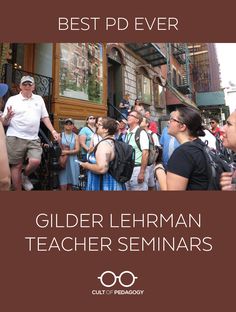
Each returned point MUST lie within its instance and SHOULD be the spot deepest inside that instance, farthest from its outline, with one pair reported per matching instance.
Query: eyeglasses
(27, 84)
(130, 115)
(173, 119)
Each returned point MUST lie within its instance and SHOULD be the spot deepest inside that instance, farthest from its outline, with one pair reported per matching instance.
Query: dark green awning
(210, 98)
(150, 52)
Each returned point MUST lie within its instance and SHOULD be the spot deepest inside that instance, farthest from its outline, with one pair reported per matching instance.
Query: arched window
(116, 54)
(158, 91)
(144, 85)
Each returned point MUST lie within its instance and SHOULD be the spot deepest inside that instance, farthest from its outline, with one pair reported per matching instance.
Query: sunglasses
(27, 84)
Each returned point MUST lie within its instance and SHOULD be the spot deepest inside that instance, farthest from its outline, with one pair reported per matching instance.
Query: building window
(174, 77)
(180, 80)
(81, 71)
(144, 86)
(158, 95)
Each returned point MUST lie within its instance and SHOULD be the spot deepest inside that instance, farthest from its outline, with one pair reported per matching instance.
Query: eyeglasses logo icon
(122, 278)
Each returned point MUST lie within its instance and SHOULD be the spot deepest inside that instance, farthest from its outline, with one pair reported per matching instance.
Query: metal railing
(118, 114)
(43, 84)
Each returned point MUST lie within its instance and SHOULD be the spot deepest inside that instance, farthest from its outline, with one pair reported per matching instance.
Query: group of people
(179, 165)
(182, 166)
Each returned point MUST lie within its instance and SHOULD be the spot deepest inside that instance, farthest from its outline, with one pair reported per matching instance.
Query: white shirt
(155, 138)
(96, 139)
(209, 139)
(27, 115)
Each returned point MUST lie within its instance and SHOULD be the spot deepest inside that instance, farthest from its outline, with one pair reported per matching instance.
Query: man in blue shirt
(169, 144)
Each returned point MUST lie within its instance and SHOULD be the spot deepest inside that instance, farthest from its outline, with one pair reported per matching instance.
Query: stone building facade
(139, 77)
(140, 69)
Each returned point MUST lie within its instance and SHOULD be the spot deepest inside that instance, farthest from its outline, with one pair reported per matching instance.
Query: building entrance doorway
(114, 82)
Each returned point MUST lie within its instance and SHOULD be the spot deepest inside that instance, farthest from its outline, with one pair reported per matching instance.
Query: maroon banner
(171, 251)
(80, 251)
(123, 21)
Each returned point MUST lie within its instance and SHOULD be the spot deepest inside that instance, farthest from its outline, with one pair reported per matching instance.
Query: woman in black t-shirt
(187, 167)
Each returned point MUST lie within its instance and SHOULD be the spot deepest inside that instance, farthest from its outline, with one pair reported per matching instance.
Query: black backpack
(153, 151)
(222, 151)
(122, 166)
(216, 164)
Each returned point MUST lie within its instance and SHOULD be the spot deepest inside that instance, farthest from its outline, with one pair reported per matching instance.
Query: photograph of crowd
(116, 117)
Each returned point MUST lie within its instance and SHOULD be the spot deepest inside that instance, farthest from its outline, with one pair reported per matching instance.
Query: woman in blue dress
(69, 176)
(98, 164)
(85, 136)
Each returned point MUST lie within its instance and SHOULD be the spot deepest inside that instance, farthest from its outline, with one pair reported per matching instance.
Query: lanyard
(129, 135)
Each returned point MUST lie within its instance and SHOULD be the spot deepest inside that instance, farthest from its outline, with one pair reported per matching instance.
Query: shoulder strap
(137, 137)
(90, 129)
(60, 142)
(211, 171)
(150, 137)
(95, 148)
